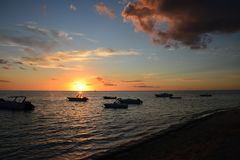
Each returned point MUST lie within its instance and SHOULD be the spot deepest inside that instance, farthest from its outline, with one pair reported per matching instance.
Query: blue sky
(36, 35)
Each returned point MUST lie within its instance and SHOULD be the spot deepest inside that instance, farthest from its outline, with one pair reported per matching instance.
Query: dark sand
(216, 137)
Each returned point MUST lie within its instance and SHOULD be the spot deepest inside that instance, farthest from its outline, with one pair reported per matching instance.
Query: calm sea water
(58, 129)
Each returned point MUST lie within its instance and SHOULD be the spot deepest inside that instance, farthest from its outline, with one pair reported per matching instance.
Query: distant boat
(78, 99)
(116, 105)
(107, 97)
(17, 103)
(164, 95)
(130, 101)
(175, 97)
(205, 95)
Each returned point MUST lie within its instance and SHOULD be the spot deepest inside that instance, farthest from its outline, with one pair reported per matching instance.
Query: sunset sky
(119, 45)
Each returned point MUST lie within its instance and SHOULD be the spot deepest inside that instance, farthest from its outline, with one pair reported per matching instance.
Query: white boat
(17, 103)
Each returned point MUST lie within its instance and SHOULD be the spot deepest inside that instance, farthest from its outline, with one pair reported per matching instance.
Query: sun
(79, 86)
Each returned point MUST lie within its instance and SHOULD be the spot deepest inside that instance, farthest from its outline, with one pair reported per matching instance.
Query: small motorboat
(164, 95)
(17, 103)
(205, 95)
(107, 97)
(116, 105)
(130, 101)
(78, 99)
(175, 97)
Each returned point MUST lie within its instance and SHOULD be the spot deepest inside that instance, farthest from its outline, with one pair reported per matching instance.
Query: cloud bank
(103, 9)
(186, 22)
(35, 38)
(58, 59)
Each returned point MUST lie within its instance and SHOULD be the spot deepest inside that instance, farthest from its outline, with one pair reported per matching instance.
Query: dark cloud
(4, 81)
(3, 61)
(187, 22)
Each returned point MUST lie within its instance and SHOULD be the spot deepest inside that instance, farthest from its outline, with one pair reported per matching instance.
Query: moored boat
(108, 97)
(164, 95)
(78, 99)
(205, 95)
(17, 103)
(130, 101)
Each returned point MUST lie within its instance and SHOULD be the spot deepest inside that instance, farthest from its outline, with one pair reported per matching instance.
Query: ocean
(59, 129)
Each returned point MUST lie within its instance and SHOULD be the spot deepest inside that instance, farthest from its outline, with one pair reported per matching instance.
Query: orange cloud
(103, 9)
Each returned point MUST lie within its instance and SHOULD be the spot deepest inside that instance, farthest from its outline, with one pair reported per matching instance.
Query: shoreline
(193, 140)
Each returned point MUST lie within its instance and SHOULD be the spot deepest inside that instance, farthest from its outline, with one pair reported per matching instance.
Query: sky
(119, 45)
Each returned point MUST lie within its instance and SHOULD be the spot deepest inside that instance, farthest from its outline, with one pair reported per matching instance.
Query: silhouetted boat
(116, 105)
(107, 97)
(164, 95)
(78, 99)
(17, 103)
(175, 97)
(205, 95)
(130, 101)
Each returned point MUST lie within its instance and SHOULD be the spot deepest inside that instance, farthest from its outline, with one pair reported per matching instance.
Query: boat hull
(106, 97)
(164, 95)
(115, 106)
(130, 101)
(8, 105)
(76, 99)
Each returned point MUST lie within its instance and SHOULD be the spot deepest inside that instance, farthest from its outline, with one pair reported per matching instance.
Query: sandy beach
(215, 137)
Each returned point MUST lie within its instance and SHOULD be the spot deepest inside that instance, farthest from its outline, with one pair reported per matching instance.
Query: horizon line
(122, 90)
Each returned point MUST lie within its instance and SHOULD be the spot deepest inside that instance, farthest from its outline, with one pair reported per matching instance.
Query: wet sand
(216, 137)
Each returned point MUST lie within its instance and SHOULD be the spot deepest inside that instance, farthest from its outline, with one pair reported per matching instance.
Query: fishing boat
(108, 97)
(78, 99)
(205, 95)
(130, 101)
(16, 103)
(164, 95)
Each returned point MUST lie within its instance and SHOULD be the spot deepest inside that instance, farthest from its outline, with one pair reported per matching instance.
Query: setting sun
(79, 86)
